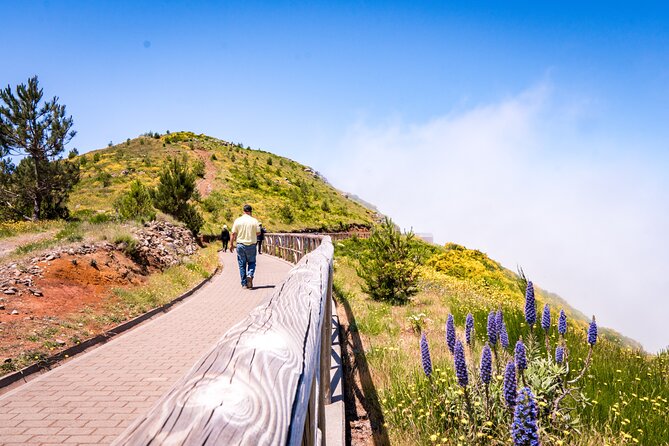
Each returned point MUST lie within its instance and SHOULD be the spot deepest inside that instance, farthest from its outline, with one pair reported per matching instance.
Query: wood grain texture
(255, 385)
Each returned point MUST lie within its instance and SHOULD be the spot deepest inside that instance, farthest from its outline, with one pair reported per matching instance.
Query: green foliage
(96, 157)
(286, 213)
(127, 242)
(104, 178)
(198, 168)
(175, 188)
(136, 204)
(37, 132)
(388, 267)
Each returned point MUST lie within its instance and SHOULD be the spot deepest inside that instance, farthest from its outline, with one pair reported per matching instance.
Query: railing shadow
(362, 390)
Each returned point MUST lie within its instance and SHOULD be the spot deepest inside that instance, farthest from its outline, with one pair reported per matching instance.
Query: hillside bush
(389, 267)
(175, 188)
(136, 203)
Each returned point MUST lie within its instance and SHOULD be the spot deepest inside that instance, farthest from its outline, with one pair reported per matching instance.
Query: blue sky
(535, 132)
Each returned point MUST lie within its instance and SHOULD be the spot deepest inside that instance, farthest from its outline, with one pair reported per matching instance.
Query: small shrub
(388, 267)
(286, 213)
(136, 204)
(96, 157)
(198, 168)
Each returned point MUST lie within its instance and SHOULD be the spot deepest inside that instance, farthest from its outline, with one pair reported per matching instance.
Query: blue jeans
(246, 258)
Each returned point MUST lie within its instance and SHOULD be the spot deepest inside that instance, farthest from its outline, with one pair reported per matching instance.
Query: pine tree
(175, 188)
(37, 132)
(389, 265)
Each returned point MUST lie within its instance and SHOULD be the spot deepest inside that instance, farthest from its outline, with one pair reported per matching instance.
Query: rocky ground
(40, 293)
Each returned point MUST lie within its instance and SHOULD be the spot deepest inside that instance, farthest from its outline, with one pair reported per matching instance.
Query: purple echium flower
(592, 332)
(510, 384)
(524, 430)
(450, 333)
(492, 329)
(530, 305)
(486, 364)
(469, 326)
(503, 336)
(562, 323)
(425, 355)
(520, 355)
(460, 365)
(546, 318)
(559, 354)
(499, 320)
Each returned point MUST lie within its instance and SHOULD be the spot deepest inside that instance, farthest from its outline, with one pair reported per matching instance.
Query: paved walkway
(92, 398)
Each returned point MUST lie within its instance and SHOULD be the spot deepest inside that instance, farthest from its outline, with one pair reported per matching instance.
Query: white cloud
(520, 180)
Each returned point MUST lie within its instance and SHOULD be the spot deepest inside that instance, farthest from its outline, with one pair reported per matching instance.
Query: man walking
(225, 238)
(261, 237)
(245, 232)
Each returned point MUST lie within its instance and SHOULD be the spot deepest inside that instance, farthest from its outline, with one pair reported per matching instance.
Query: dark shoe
(249, 282)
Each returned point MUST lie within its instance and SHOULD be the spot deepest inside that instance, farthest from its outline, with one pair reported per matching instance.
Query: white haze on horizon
(528, 182)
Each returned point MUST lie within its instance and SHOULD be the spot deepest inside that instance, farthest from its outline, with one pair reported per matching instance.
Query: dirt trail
(206, 185)
(8, 245)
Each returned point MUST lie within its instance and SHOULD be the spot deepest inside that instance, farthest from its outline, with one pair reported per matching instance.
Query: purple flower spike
(559, 354)
(520, 355)
(492, 329)
(503, 336)
(425, 355)
(530, 305)
(469, 326)
(486, 364)
(450, 333)
(592, 332)
(499, 320)
(460, 365)
(546, 318)
(510, 384)
(524, 430)
(562, 323)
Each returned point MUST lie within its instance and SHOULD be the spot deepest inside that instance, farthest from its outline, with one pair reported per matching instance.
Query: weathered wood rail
(292, 247)
(267, 381)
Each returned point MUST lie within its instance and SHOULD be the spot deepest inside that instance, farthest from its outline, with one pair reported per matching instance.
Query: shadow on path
(363, 411)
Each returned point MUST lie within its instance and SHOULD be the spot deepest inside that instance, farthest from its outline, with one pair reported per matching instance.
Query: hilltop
(286, 195)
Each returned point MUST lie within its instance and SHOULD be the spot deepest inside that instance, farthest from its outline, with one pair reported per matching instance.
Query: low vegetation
(619, 398)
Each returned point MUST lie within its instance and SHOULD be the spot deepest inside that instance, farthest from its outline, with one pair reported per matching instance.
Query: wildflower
(469, 326)
(530, 310)
(510, 384)
(546, 318)
(450, 333)
(425, 355)
(486, 364)
(460, 366)
(559, 354)
(592, 332)
(520, 355)
(492, 329)
(524, 430)
(503, 335)
(562, 323)
(499, 320)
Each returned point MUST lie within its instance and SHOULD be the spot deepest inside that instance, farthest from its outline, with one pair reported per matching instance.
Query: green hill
(285, 195)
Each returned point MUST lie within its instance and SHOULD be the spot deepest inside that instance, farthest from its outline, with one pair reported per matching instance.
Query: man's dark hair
(248, 208)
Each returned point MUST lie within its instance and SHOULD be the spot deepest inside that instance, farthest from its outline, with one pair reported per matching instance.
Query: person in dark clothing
(261, 237)
(225, 238)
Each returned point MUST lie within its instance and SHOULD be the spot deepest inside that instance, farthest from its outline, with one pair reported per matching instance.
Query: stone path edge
(68, 353)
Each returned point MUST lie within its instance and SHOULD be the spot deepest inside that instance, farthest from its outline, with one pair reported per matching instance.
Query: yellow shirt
(246, 228)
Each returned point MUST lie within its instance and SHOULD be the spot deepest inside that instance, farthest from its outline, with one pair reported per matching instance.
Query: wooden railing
(267, 381)
(293, 247)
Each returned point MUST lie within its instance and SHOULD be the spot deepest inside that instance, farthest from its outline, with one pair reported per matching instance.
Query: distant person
(245, 232)
(225, 238)
(261, 238)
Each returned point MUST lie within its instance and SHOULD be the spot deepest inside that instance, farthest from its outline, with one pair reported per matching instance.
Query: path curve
(94, 397)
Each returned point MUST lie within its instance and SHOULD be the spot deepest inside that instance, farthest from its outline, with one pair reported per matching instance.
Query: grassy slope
(627, 388)
(285, 195)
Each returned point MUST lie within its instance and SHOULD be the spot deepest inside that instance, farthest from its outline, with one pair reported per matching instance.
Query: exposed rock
(15, 312)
